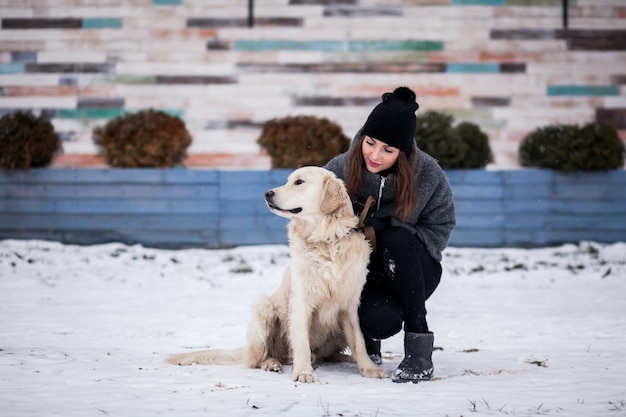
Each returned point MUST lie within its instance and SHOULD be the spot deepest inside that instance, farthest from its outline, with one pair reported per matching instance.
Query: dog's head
(310, 191)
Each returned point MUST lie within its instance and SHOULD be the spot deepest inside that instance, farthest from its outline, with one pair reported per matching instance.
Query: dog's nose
(269, 194)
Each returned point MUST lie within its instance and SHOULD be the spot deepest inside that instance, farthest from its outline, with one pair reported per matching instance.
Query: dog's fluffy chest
(330, 270)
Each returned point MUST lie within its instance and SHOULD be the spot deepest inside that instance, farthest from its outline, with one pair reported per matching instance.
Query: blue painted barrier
(210, 208)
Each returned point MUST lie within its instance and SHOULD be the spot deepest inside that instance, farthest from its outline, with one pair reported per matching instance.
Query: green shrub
(463, 146)
(478, 153)
(27, 141)
(594, 147)
(148, 138)
(296, 141)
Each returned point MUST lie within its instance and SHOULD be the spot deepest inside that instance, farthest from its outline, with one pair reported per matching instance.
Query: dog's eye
(299, 182)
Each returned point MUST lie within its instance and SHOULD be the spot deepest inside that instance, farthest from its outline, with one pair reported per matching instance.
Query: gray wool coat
(434, 218)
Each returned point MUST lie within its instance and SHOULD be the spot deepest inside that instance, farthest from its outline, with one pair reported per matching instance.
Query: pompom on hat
(393, 120)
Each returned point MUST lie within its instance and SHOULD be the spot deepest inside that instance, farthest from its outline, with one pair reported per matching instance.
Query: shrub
(478, 153)
(594, 147)
(27, 141)
(463, 146)
(296, 141)
(148, 138)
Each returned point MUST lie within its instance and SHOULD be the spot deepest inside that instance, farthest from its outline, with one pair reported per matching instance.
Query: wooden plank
(492, 192)
(473, 221)
(594, 208)
(109, 191)
(122, 206)
(110, 176)
(536, 191)
(109, 221)
(586, 192)
(487, 237)
(473, 176)
(475, 206)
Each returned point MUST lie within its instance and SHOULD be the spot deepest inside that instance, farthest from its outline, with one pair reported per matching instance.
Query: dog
(313, 316)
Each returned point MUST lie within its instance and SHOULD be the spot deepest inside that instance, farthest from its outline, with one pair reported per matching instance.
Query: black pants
(402, 277)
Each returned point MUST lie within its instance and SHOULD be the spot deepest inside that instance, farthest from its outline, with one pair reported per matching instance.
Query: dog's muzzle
(269, 200)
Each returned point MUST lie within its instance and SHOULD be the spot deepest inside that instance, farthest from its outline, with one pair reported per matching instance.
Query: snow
(84, 331)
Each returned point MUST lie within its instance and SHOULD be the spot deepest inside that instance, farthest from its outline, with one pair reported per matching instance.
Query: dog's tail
(208, 357)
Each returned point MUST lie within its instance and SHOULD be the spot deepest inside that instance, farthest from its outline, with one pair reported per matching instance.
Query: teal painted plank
(583, 90)
(109, 113)
(102, 23)
(12, 68)
(167, 2)
(482, 67)
(408, 45)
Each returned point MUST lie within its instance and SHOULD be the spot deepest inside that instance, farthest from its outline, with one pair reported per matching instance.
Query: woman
(413, 217)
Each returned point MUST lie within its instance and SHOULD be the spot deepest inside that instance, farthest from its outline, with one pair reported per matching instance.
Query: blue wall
(211, 208)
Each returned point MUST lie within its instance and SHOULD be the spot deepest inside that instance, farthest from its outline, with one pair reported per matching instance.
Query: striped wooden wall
(507, 65)
(217, 208)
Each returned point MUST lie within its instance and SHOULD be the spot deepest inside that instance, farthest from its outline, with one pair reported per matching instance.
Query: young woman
(412, 216)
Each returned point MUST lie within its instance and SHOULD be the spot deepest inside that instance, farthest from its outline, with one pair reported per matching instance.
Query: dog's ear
(333, 195)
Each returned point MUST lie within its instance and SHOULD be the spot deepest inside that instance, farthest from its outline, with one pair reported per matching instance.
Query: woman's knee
(382, 322)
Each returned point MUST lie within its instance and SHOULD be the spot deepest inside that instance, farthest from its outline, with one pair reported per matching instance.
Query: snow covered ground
(84, 331)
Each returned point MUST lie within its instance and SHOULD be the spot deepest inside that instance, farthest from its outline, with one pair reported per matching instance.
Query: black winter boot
(417, 364)
(373, 350)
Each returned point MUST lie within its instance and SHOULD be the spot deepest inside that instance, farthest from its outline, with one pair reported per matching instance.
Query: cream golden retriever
(312, 317)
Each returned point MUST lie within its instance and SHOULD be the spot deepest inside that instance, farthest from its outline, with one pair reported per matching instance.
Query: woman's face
(378, 155)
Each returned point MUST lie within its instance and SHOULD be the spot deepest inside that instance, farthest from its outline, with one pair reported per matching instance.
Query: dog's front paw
(304, 376)
(272, 365)
(375, 372)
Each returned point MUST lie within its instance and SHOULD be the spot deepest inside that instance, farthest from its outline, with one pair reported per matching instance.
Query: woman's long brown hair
(405, 196)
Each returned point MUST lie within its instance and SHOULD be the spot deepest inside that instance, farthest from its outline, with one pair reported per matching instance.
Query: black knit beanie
(393, 120)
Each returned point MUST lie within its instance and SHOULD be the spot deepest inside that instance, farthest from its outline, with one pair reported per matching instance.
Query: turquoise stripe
(275, 45)
(395, 45)
(12, 68)
(473, 67)
(583, 90)
(100, 23)
(90, 113)
(108, 113)
(167, 2)
(478, 2)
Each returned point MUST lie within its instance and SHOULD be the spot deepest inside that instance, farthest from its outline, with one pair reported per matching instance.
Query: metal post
(565, 13)
(250, 13)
